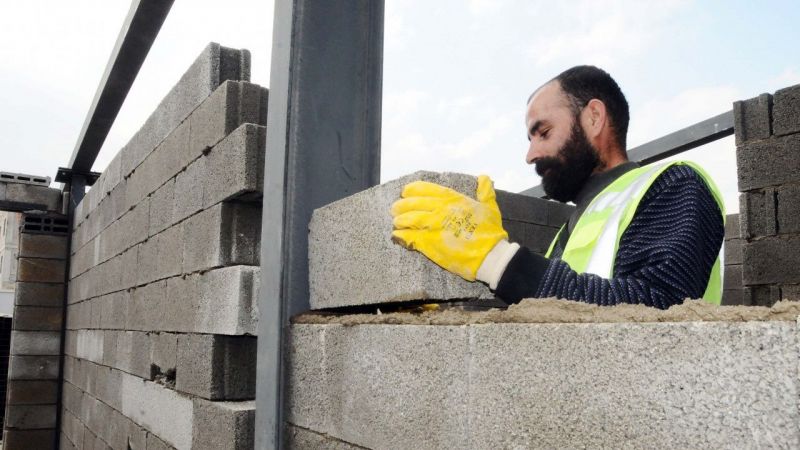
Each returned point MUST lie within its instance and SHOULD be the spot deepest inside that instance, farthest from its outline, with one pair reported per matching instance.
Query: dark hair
(583, 83)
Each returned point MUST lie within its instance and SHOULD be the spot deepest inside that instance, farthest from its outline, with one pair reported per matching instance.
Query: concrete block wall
(768, 165)
(31, 410)
(544, 385)
(160, 347)
(354, 261)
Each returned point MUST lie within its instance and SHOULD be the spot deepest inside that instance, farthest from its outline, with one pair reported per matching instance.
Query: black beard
(564, 175)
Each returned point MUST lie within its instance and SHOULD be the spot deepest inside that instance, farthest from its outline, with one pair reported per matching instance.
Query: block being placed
(353, 260)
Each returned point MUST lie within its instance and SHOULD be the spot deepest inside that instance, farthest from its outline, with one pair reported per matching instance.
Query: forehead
(549, 100)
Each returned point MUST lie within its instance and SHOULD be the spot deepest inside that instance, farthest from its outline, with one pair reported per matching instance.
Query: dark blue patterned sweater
(665, 255)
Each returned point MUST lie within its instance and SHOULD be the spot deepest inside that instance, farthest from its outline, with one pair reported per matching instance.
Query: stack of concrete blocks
(768, 159)
(351, 250)
(732, 289)
(160, 348)
(35, 362)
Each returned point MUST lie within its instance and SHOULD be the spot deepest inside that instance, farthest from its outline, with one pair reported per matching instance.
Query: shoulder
(679, 178)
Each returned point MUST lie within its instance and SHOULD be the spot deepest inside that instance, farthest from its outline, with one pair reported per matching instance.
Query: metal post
(323, 144)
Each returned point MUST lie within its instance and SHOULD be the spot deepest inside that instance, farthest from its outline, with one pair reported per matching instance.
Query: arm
(665, 255)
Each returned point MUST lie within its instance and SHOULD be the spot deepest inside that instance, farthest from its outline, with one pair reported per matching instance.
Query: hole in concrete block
(166, 378)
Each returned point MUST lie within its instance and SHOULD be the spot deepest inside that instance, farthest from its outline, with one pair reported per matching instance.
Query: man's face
(563, 155)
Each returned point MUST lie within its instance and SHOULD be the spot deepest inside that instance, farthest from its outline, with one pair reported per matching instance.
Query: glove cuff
(495, 263)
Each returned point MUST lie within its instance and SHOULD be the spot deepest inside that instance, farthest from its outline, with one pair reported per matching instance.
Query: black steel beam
(693, 136)
(137, 35)
(323, 144)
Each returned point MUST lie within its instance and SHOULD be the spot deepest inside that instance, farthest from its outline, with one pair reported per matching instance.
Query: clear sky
(456, 72)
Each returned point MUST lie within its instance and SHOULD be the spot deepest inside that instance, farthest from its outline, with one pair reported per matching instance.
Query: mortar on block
(353, 260)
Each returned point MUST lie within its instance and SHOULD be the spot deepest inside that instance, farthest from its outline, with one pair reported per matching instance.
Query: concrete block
(71, 397)
(110, 342)
(231, 105)
(30, 197)
(96, 310)
(40, 270)
(31, 417)
(732, 228)
(175, 150)
(114, 310)
(164, 355)
(223, 425)
(109, 276)
(170, 244)
(147, 266)
(786, 111)
(769, 162)
(738, 405)
(161, 205)
(362, 265)
(117, 200)
(23, 392)
(188, 197)
(35, 343)
(130, 260)
(70, 342)
(140, 354)
(753, 119)
(158, 409)
(69, 369)
(235, 166)
(733, 251)
(138, 223)
(33, 367)
(39, 294)
(37, 318)
(90, 345)
(220, 301)
(42, 246)
(107, 386)
(787, 205)
(72, 428)
(225, 234)
(154, 443)
(771, 260)
(32, 439)
(112, 174)
(733, 277)
(301, 438)
(385, 386)
(757, 213)
(146, 309)
(217, 367)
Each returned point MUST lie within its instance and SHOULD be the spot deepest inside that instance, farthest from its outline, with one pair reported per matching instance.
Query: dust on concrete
(565, 311)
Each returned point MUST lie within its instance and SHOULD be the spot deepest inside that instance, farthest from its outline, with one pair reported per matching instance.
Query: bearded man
(648, 235)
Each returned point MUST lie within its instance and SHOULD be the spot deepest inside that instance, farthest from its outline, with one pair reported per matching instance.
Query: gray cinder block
(771, 260)
(164, 352)
(223, 425)
(231, 105)
(757, 214)
(36, 318)
(42, 246)
(188, 197)
(223, 235)
(72, 429)
(40, 270)
(732, 279)
(170, 252)
(35, 343)
(733, 251)
(71, 397)
(31, 417)
(353, 260)
(163, 411)
(20, 392)
(38, 439)
(39, 294)
(787, 205)
(732, 228)
(769, 162)
(300, 438)
(500, 385)
(216, 367)
(753, 119)
(29, 197)
(235, 166)
(786, 110)
(154, 443)
(162, 202)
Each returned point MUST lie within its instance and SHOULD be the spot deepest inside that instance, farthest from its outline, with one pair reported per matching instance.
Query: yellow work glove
(451, 229)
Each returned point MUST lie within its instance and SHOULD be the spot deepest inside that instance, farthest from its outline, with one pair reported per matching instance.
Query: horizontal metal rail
(137, 35)
(693, 136)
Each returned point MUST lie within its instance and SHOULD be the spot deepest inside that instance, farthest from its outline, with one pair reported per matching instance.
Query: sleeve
(665, 256)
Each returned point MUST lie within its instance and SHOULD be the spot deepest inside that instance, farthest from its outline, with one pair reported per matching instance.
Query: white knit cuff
(495, 263)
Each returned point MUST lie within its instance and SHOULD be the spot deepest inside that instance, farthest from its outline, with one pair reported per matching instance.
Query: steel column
(323, 144)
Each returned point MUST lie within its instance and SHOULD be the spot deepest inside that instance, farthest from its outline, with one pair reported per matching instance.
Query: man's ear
(594, 118)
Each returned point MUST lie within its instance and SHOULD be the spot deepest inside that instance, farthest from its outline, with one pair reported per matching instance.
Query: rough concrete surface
(549, 385)
(353, 261)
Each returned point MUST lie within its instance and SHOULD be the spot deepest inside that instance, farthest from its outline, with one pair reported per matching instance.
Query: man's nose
(532, 155)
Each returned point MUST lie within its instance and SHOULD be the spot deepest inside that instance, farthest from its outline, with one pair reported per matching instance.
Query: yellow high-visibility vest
(592, 245)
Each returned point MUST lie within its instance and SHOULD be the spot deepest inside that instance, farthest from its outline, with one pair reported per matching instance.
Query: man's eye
(544, 134)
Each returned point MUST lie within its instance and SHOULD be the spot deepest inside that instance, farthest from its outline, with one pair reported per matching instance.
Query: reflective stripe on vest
(592, 245)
